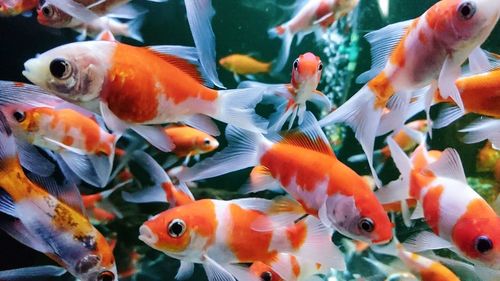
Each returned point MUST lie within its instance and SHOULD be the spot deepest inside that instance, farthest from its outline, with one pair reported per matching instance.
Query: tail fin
(360, 114)
(199, 14)
(287, 36)
(483, 129)
(134, 28)
(237, 107)
(162, 189)
(241, 152)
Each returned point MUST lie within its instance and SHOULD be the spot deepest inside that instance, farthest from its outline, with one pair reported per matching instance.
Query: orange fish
(137, 86)
(324, 186)
(306, 75)
(291, 268)
(99, 209)
(10, 8)
(240, 64)
(215, 233)
(50, 222)
(459, 217)
(411, 55)
(190, 142)
(314, 16)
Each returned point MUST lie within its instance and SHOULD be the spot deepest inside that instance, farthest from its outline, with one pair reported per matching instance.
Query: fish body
(324, 186)
(315, 15)
(49, 225)
(428, 50)
(244, 64)
(291, 267)
(10, 8)
(162, 87)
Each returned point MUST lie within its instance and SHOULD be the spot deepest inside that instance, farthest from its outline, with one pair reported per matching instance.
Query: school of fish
(67, 148)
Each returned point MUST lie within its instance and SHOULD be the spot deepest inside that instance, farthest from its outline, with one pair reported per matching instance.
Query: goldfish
(74, 13)
(99, 209)
(215, 233)
(76, 137)
(407, 138)
(48, 217)
(313, 16)
(291, 267)
(488, 160)
(240, 64)
(306, 75)
(325, 187)
(136, 86)
(190, 142)
(447, 34)
(10, 8)
(460, 218)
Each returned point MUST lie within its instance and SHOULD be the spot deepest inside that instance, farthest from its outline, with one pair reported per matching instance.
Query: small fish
(215, 233)
(190, 142)
(99, 209)
(314, 16)
(459, 217)
(488, 160)
(52, 223)
(409, 56)
(324, 186)
(36, 118)
(240, 64)
(306, 75)
(291, 268)
(407, 138)
(10, 8)
(163, 86)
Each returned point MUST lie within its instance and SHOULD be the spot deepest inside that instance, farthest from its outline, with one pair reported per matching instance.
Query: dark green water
(239, 28)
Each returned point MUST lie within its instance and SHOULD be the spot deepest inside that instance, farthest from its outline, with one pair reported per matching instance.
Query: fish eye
(48, 11)
(266, 276)
(467, 10)
(366, 225)
(60, 68)
(176, 228)
(19, 116)
(206, 141)
(483, 244)
(296, 64)
(106, 276)
(320, 66)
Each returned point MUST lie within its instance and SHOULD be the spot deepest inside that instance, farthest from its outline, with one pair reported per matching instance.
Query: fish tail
(286, 36)
(363, 116)
(237, 107)
(242, 152)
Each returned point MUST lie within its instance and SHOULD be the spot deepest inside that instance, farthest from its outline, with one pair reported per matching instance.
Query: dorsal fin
(309, 135)
(106, 35)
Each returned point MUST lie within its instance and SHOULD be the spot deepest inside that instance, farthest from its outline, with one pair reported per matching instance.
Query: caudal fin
(287, 37)
(360, 114)
(483, 129)
(237, 107)
(200, 14)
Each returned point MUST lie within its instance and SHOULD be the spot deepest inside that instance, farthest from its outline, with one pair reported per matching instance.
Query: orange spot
(90, 200)
(431, 206)
(68, 140)
(297, 235)
(438, 272)
(280, 30)
(175, 196)
(422, 37)
(295, 265)
(382, 88)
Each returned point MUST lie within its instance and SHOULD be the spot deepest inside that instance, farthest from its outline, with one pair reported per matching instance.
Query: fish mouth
(147, 236)
(30, 69)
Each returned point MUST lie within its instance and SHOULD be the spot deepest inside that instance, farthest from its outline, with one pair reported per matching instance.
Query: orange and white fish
(240, 64)
(324, 186)
(409, 56)
(50, 222)
(425, 268)
(407, 138)
(36, 118)
(135, 86)
(190, 142)
(74, 13)
(9, 8)
(313, 16)
(306, 75)
(215, 233)
(291, 268)
(99, 209)
(459, 217)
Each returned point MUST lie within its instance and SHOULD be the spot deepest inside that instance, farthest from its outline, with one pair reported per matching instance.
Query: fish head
(478, 238)
(362, 218)
(226, 62)
(462, 25)
(206, 143)
(181, 232)
(91, 268)
(49, 15)
(75, 72)
(306, 72)
(23, 119)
